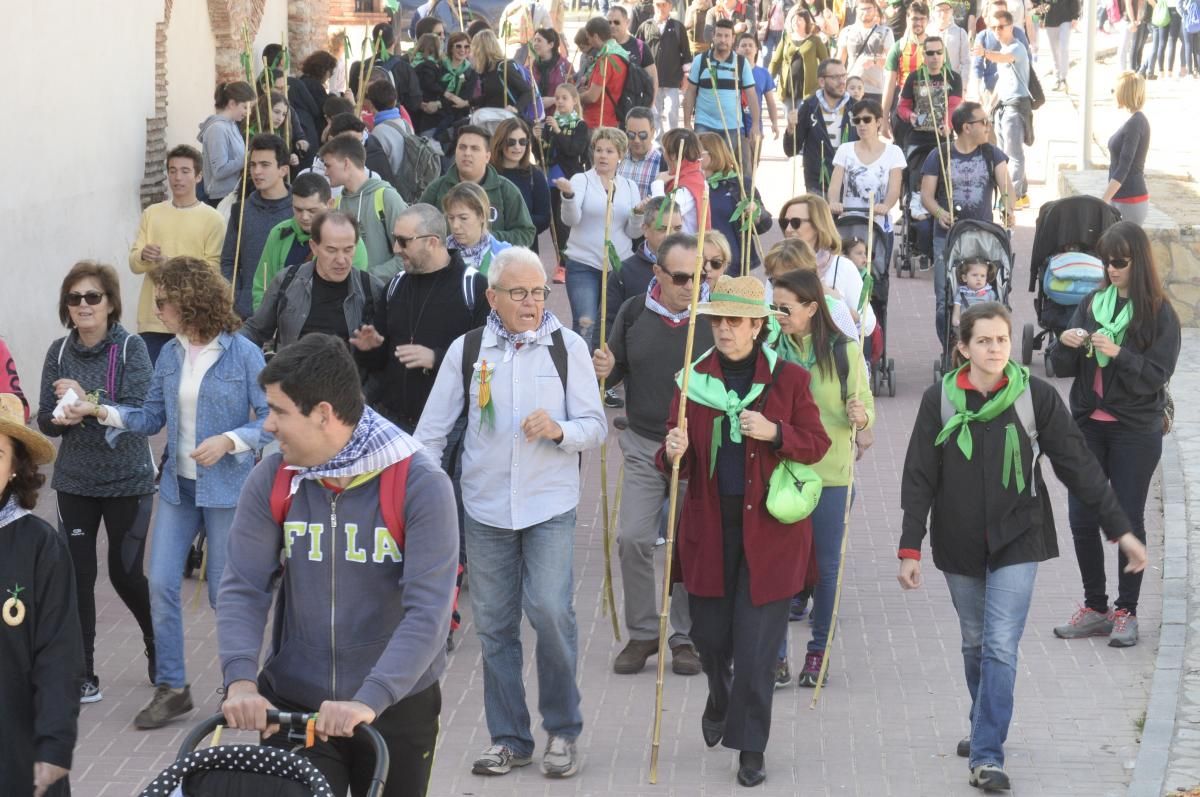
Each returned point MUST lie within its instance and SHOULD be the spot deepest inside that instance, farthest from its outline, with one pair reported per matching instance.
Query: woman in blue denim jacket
(205, 391)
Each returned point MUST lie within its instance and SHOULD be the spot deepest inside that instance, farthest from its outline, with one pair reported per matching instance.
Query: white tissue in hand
(69, 398)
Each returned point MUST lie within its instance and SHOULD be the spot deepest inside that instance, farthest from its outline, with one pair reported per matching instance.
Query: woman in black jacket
(427, 64)
(1121, 348)
(972, 475)
(500, 82)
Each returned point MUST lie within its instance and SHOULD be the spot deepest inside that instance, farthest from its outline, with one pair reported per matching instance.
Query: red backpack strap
(281, 494)
(392, 483)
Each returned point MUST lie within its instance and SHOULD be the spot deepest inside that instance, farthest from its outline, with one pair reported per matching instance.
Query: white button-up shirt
(507, 481)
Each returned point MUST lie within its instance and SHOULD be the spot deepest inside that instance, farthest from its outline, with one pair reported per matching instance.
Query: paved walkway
(895, 705)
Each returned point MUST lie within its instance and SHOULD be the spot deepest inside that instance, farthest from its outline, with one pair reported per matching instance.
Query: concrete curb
(1150, 769)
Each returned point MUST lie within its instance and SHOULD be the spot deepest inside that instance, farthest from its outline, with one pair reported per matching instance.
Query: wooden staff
(237, 248)
(461, 25)
(609, 599)
(248, 61)
(603, 86)
(751, 231)
(943, 160)
(837, 592)
(368, 63)
(680, 422)
(285, 63)
(269, 89)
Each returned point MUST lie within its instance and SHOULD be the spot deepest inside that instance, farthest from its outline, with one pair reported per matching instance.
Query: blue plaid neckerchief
(516, 340)
(375, 444)
(12, 511)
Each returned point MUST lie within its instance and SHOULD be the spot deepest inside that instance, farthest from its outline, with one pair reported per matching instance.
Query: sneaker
(783, 673)
(1085, 622)
(499, 759)
(560, 274)
(684, 660)
(89, 691)
(812, 669)
(166, 705)
(560, 759)
(1124, 629)
(632, 657)
(612, 400)
(1022, 203)
(989, 777)
(798, 609)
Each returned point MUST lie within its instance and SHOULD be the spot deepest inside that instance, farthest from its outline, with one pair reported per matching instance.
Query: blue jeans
(175, 527)
(528, 568)
(828, 526)
(583, 292)
(991, 616)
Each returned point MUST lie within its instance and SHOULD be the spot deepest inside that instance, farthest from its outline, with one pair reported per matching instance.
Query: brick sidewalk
(888, 721)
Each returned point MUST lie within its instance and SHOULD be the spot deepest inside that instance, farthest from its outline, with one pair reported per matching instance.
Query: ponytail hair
(233, 91)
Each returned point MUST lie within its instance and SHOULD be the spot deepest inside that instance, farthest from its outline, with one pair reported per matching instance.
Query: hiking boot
(499, 759)
(1124, 629)
(151, 660)
(783, 673)
(798, 608)
(633, 657)
(1085, 622)
(812, 669)
(684, 660)
(89, 690)
(166, 705)
(989, 777)
(964, 747)
(560, 760)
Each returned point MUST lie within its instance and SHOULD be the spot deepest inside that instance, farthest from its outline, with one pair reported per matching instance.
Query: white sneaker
(499, 759)
(89, 691)
(560, 759)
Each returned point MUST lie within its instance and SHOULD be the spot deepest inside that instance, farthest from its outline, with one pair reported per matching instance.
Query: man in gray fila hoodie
(360, 627)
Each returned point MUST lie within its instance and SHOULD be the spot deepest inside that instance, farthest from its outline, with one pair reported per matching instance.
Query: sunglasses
(404, 240)
(792, 222)
(515, 142)
(91, 297)
(640, 135)
(1113, 262)
(714, 264)
(862, 120)
(463, 46)
(933, 53)
(679, 280)
(733, 321)
(984, 121)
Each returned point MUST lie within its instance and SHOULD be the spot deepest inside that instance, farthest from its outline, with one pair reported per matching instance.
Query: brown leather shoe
(632, 659)
(684, 660)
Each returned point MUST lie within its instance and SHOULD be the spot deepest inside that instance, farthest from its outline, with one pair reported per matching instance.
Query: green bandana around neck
(454, 77)
(1018, 383)
(567, 121)
(1103, 308)
(721, 177)
(710, 391)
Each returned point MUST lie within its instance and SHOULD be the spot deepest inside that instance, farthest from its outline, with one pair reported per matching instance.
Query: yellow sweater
(834, 468)
(198, 231)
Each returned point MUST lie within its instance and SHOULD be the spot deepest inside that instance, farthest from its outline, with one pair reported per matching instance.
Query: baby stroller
(967, 239)
(250, 770)
(883, 368)
(914, 243)
(1071, 224)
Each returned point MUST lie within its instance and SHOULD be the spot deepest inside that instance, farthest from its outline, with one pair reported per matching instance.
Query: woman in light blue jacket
(204, 391)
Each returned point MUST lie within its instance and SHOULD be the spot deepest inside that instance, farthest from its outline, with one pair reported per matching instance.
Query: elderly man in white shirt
(533, 406)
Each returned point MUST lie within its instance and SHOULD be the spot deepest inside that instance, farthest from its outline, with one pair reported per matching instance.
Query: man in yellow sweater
(182, 225)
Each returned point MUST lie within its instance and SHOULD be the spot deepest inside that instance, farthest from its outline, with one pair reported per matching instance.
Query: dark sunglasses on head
(640, 135)
(792, 222)
(1114, 262)
(515, 142)
(91, 297)
(679, 280)
(863, 120)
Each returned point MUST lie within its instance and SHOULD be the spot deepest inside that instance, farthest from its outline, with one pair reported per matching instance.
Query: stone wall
(1176, 248)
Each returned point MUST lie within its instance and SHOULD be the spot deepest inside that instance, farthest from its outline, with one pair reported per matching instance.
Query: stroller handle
(295, 722)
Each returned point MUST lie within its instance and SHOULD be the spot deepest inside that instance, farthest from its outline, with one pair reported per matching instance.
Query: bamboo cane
(680, 422)
(237, 248)
(603, 86)
(751, 232)
(269, 90)
(285, 61)
(368, 63)
(837, 592)
(943, 160)
(461, 25)
(609, 598)
(248, 48)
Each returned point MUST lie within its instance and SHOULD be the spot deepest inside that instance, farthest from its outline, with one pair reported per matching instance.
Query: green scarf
(1018, 383)
(801, 354)
(710, 391)
(1104, 306)
(721, 177)
(455, 77)
(567, 121)
(611, 47)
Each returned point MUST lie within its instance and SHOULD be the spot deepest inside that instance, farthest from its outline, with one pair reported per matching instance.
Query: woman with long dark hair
(1121, 348)
(972, 478)
(550, 68)
(512, 155)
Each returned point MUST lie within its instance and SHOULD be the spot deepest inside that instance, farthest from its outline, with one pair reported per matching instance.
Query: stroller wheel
(891, 377)
(938, 371)
(876, 381)
(1049, 366)
(1027, 338)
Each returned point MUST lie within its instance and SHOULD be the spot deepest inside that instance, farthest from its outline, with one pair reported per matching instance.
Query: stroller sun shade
(240, 769)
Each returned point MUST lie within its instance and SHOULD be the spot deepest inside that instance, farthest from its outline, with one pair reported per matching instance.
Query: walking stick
(681, 422)
(368, 63)
(237, 248)
(837, 592)
(751, 231)
(609, 598)
(943, 160)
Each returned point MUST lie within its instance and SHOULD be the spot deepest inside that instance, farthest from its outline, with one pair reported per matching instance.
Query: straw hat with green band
(12, 424)
(742, 297)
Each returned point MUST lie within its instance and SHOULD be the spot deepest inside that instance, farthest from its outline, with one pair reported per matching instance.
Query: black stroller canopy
(240, 769)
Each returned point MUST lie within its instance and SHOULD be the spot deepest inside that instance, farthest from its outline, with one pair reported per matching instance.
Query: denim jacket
(229, 393)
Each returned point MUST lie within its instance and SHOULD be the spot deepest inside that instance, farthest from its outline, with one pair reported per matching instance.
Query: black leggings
(126, 519)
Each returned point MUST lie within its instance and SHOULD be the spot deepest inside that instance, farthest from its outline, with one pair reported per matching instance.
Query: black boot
(751, 769)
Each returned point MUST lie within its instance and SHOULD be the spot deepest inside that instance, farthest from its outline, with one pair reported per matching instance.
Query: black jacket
(812, 139)
(571, 152)
(1135, 381)
(632, 279)
(41, 660)
(671, 50)
(975, 523)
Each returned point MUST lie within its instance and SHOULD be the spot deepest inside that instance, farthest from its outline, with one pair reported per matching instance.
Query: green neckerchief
(611, 47)
(710, 391)
(420, 58)
(1018, 383)
(454, 77)
(799, 352)
(721, 177)
(1103, 307)
(567, 121)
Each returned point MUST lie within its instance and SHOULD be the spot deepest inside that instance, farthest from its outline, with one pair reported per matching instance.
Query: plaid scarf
(518, 339)
(472, 255)
(374, 445)
(655, 305)
(12, 511)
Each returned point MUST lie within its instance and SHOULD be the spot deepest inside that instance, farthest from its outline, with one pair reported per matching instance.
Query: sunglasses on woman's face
(1112, 262)
(515, 142)
(714, 263)
(463, 46)
(863, 120)
(733, 321)
(91, 297)
(793, 222)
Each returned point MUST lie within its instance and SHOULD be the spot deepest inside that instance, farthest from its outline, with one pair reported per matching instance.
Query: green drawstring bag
(1161, 17)
(793, 492)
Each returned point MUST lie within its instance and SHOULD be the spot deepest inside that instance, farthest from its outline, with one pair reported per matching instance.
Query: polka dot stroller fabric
(237, 770)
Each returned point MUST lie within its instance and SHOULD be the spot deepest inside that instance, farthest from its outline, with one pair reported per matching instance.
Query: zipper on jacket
(333, 591)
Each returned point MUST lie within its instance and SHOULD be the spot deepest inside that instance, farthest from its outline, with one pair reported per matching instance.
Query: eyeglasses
(715, 263)
(516, 142)
(838, 76)
(640, 135)
(792, 222)
(732, 321)
(984, 121)
(787, 309)
(521, 294)
(403, 241)
(679, 280)
(91, 297)
(1118, 262)
(463, 46)
(933, 53)
(862, 120)
(1001, 27)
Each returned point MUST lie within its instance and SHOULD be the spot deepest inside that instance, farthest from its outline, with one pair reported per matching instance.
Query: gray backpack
(422, 164)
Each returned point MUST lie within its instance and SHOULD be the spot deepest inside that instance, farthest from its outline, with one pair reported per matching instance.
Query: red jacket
(777, 555)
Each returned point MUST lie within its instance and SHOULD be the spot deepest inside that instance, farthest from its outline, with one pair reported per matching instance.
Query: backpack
(473, 342)
(536, 111)
(1189, 10)
(392, 481)
(380, 211)
(638, 91)
(989, 158)
(420, 166)
(1024, 408)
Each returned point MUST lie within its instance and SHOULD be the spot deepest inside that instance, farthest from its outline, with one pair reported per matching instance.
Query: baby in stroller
(975, 275)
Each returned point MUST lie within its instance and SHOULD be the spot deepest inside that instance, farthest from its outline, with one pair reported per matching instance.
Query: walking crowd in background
(343, 332)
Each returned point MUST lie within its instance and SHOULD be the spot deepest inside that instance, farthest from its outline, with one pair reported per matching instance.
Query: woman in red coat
(746, 409)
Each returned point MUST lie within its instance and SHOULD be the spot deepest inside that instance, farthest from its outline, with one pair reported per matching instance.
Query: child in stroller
(975, 276)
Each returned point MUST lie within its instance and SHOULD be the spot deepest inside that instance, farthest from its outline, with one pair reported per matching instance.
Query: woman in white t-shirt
(868, 171)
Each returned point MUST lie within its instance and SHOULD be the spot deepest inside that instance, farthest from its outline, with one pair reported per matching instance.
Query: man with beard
(822, 124)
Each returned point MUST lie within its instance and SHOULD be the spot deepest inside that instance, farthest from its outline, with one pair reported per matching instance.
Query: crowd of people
(348, 346)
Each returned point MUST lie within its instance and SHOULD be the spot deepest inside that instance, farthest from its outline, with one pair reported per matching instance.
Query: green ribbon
(1018, 383)
(710, 391)
(346, 49)
(729, 297)
(1111, 324)
(614, 260)
(721, 177)
(247, 68)
(741, 211)
(1012, 458)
